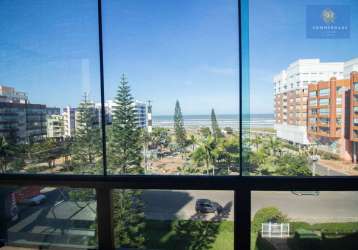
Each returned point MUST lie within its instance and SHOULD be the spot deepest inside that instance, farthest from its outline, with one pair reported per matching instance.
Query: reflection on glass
(46, 217)
(304, 220)
(306, 58)
(173, 219)
(49, 88)
(171, 87)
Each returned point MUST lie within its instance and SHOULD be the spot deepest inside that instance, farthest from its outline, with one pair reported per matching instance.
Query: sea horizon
(224, 120)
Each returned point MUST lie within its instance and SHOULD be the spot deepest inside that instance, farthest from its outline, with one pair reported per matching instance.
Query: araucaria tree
(215, 126)
(180, 133)
(125, 156)
(86, 147)
(125, 141)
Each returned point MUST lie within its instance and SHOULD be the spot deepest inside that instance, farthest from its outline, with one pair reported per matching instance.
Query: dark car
(207, 206)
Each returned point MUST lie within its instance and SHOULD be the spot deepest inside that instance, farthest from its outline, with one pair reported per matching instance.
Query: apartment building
(353, 118)
(328, 107)
(140, 109)
(69, 121)
(55, 126)
(20, 120)
(333, 116)
(291, 94)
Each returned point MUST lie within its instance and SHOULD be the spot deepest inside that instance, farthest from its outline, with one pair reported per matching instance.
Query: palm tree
(192, 141)
(6, 152)
(257, 140)
(206, 153)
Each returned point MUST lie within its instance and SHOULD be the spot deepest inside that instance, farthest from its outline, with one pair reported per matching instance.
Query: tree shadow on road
(200, 231)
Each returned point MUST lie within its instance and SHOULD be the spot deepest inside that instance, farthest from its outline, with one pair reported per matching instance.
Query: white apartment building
(290, 95)
(55, 128)
(349, 67)
(139, 107)
(69, 121)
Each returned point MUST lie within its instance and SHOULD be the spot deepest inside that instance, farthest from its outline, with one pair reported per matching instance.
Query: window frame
(242, 185)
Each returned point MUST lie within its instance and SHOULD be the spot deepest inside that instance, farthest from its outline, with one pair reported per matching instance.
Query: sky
(277, 37)
(169, 50)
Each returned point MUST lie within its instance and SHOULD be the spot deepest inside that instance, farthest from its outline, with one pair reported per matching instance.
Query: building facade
(55, 126)
(291, 94)
(69, 121)
(353, 118)
(21, 121)
(140, 109)
(327, 122)
(333, 116)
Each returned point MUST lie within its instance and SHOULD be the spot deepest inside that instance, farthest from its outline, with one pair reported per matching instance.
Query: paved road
(327, 206)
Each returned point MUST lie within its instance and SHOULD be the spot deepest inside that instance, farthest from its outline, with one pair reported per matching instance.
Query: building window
(323, 92)
(324, 101)
(355, 84)
(324, 111)
(313, 102)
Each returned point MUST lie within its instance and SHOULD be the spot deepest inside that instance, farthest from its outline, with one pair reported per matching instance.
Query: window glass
(49, 87)
(173, 219)
(324, 111)
(308, 41)
(313, 102)
(34, 217)
(324, 101)
(171, 86)
(304, 219)
(323, 92)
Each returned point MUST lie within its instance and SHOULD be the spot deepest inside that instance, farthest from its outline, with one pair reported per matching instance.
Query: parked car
(36, 200)
(207, 206)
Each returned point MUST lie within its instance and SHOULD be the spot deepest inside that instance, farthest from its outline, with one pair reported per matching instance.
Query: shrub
(267, 214)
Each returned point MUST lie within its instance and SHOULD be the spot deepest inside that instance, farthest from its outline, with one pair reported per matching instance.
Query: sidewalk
(340, 166)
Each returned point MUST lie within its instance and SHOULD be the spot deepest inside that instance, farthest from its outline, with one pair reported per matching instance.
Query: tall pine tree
(86, 147)
(215, 126)
(180, 133)
(125, 141)
(125, 156)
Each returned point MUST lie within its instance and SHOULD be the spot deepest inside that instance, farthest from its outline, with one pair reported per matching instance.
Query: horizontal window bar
(326, 183)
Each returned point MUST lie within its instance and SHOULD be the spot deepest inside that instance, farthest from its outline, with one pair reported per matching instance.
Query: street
(327, 206)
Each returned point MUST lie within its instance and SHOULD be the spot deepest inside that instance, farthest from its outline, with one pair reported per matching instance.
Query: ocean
(197, 121)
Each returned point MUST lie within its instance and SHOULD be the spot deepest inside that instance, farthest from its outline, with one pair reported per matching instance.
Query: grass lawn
(189, 234)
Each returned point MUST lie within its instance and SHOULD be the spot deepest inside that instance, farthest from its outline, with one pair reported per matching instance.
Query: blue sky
(278, 37)
(186, 50)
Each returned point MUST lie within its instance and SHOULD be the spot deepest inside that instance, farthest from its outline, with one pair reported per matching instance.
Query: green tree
(128, 218)
(206, 154)
(160, 138)
(6, 153)
(257, 140)
(215, 126)
(228, 152)
(205, 131)
(267, 214)
(125, 142)
(180, 133)
(86, 147)
(125, 157)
